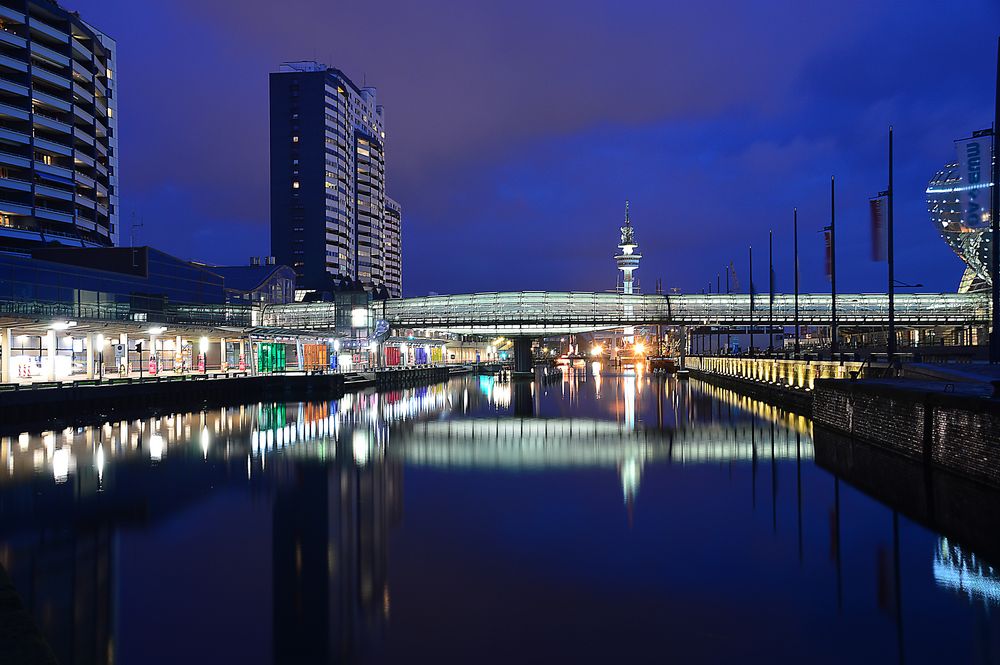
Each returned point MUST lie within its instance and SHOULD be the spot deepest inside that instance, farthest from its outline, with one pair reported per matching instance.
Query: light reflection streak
(961, 570)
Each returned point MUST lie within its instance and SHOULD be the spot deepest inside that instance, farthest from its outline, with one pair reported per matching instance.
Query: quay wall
(71, 401)
(787, 383)
(952, 431)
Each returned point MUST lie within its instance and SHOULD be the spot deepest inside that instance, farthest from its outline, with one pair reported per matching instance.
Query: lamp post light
(892, 267)
(770, 293)
(718, 333)
(750, 350)
(795, 267)
(832, 230)
(729, 341)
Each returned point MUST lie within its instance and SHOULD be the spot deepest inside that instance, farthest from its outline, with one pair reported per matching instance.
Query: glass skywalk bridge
(541, 312)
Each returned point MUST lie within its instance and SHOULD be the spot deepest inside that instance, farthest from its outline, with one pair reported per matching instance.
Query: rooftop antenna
(132, 237)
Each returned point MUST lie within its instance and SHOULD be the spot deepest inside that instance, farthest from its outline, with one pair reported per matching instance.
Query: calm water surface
(592, 518)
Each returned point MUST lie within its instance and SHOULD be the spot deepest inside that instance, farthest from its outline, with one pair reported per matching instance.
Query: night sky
(517, 129)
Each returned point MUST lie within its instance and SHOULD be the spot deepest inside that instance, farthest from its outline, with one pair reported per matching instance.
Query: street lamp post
(718, 333)
(832, 229)
(770, 292)
(795, 251)
(729, 340)
(892, 267)
(750, 350)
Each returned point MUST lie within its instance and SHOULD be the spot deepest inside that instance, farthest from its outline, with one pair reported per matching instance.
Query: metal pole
(718, 334)
(834, 341)
(892, 268)
(750, 350)
(795, 245)
(728, 335)
(995, 223)
(707, 343)
(770, 292)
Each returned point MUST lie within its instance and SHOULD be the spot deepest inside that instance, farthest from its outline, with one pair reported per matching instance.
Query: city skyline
(498, 141)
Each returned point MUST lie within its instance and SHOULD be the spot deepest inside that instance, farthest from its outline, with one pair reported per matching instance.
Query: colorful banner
(879, 228)
(828, 263)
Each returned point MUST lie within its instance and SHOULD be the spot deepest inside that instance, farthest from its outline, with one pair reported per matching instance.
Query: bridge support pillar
(684, 343)
(682, 372)
(524, 405)
(523, 366)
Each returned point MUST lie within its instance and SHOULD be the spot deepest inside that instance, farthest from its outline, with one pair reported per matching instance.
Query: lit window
(295, 139)
(108, 73)
(295, 184)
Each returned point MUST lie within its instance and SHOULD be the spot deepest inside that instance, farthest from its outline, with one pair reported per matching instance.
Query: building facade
(958, 201)
(392, 248)
(328, 203)
(58, 139)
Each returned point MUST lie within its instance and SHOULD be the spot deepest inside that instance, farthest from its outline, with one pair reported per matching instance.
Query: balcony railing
(12, 39)
(46, 53)
(50, 100)
(16, 137)
(13, 63)
(11, 86)
(54, 79)
(52, 146)
(48, 30)
(80, 49)
(13, 112)
(52, 192)
(12, 15)
(43, 120)
(14, 160)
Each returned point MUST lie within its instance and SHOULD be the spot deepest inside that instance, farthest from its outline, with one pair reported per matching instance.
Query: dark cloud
(517, 129)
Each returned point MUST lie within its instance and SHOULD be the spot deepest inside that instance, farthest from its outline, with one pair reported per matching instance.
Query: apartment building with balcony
(392, 248)
(58, 139)
(329, 210)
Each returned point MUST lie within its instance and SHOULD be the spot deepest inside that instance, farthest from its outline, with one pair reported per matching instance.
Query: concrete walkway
(981, 373)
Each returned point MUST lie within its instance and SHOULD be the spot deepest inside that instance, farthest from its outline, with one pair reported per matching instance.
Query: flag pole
(834, 341)
(770, 293)
(795, 244)
(892, 268)
(750, 350)
(728, 330)
(995, 222)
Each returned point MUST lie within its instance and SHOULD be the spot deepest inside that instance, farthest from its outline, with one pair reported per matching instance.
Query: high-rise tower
(628, 260)
(58, 139)
(330, 216)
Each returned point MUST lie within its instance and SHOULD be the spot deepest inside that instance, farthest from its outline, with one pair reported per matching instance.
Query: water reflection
(280, 516)
(963, 571)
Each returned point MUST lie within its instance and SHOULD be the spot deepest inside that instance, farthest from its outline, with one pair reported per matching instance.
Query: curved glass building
(958, 200)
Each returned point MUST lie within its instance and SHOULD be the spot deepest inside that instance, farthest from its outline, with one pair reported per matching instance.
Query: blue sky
(517, 130)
